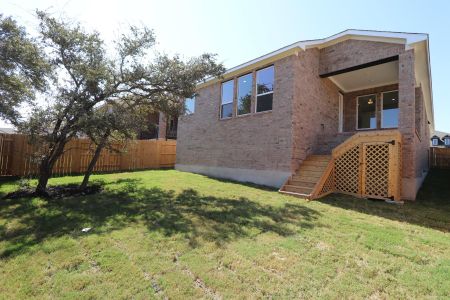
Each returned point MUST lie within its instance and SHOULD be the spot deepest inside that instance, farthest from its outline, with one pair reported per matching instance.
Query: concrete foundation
(262, 177)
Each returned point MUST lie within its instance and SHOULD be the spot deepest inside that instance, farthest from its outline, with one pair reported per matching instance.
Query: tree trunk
(44, 175)
(93, 161)
(46, 166)
(91, 166)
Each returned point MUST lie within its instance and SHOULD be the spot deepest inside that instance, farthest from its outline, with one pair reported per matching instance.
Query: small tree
(112, 125)
(87, 78)
(23, 69)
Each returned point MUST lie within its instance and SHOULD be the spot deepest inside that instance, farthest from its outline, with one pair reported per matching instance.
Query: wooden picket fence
(440, 158)
(19, 158)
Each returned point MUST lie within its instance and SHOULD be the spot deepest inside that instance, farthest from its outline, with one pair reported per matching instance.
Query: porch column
(406, 125)
(162, 126)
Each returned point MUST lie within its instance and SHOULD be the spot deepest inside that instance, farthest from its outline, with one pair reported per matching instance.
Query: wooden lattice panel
(328, 185)
(376, 170)
(347, 171)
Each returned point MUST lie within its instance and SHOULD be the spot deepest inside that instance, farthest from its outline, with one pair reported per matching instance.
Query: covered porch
(376, 124)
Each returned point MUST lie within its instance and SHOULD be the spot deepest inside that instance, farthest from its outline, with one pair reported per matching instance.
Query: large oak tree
(85, 78)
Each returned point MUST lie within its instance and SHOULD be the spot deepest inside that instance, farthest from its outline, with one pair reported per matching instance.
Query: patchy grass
(160, 234)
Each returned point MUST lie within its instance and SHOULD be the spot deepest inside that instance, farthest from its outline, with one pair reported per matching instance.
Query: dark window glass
(244, 97)
(264, 102)
(367, 118)
(264, 89)
(226, 108)
(226, 111)
(390, 109)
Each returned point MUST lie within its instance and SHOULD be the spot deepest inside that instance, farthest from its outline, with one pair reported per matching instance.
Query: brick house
(350, 113)
(159, 126)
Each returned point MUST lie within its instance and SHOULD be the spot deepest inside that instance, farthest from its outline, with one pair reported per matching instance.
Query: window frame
(357, 111)
(221, 99)
(237, 94)
(263, 94)
(341, 113)
(382, 110)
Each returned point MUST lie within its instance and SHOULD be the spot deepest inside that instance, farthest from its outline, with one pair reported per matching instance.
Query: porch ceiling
(379, 75)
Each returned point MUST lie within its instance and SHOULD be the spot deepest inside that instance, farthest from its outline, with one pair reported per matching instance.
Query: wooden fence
(440, 158)
(19, 158)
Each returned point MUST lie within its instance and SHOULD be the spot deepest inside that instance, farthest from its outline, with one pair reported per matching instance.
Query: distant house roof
(440, 134)
(8, 130)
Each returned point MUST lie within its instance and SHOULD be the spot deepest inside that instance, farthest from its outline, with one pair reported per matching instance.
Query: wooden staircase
(303, 182)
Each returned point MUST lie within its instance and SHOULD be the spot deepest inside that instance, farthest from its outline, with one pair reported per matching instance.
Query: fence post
(158, 153)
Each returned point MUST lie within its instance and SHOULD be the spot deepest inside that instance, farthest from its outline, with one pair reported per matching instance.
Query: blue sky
(239, 30)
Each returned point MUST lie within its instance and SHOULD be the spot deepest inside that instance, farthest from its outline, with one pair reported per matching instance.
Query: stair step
(302, 183)
(309, 173)
(299, 195)
(302, 177)
(311, 168)
(319, 157)
(296, 189)
(318, 163)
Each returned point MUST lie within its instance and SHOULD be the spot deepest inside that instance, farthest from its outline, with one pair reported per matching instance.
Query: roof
(440, 134)
(417, 41)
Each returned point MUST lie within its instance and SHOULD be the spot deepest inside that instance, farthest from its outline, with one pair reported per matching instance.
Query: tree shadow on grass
(431, 208)
(196, 217)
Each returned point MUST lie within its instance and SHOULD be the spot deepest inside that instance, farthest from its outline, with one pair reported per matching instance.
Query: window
(244, 94)
(435, 142)
(189, 106)
(447, 141)
(389, 114)
(367, 118)
(226, 108)
(264, 89)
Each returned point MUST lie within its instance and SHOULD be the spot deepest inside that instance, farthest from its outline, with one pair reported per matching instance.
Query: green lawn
(159, 234)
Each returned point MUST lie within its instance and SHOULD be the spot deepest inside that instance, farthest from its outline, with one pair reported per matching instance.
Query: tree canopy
(84, 77)
(23, 68)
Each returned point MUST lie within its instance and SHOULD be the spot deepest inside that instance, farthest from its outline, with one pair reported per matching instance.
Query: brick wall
(352, 53)
(422, 139)
(259, 141)
(315, 107)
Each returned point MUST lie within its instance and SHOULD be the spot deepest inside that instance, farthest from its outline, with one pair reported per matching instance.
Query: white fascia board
(409, 38)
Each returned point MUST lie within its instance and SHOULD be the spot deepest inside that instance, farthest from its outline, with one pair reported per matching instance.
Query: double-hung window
(367, 117)
(264, 89)
(244, 94)
(226, 108)
(390, 110)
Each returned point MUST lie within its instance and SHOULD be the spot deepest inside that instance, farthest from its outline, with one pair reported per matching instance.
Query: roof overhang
(377, 75)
